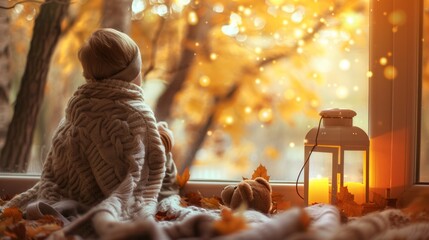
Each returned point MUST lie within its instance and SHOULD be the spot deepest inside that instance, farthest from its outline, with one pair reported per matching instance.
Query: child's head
(110, 54)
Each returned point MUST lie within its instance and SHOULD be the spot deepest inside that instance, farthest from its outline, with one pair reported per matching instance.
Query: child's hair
(110, 54)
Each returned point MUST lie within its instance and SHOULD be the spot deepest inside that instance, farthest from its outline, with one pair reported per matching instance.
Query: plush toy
(256, 194)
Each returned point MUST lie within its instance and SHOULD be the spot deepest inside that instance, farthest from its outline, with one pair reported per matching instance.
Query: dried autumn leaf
(4, 223)
(346, 203)
(183, 201)
(183, 179)
(283, 205)
(379, 200)
(261, 171)
(193, 198)
(279, 203)
(229, 222)
(16, 231)
(13, 213)
(41, 231)
(163, 216)
(210, 203)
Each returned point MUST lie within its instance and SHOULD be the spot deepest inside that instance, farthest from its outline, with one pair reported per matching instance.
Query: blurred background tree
(239, 82)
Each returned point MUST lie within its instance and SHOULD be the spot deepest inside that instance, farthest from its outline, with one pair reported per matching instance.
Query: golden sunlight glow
(271, 153)
(297, 16)
(265, 115)
(213, 56)
(289, 8)
(183, 2)
(247, 11)
(18, 8)
(342, 92)
(397, 17)
(209, 133)
(289, 94)
(138, 6)
(291, 144)
(383, 61)
(369, 74)
(350, 20)
(204, 81)
(229, 120)
(298, 33)
(314, 103)
(344, 64)
(235, 19)
(161, 9)
(192, 18)
(258, 50)
(390, 72)
(276, 2)
(218, 7)
(247, 110)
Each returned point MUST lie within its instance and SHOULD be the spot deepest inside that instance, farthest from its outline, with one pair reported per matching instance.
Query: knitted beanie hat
(110, 54)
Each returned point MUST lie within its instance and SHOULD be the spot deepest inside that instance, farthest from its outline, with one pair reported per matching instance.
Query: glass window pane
(424, 141)
(257, 77)
(325, 66)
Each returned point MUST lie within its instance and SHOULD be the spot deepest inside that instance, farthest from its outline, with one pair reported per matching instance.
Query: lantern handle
(308, 158)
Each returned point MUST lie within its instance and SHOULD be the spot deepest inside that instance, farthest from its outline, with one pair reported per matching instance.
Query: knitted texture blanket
(106, 154)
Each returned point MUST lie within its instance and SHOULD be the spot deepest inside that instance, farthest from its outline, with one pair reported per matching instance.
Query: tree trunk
(47, 29)
(5, 80)
(195, 33)
(117, 15)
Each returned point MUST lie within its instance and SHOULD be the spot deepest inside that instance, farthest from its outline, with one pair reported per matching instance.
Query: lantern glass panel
(320, 177)
(354, 174)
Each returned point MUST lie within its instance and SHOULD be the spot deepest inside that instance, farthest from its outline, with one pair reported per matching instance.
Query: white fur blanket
(314, 222)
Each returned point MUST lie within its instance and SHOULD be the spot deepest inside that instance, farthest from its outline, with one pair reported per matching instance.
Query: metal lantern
(336, 155)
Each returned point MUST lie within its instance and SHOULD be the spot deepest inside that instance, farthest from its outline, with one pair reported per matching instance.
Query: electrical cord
(308, 158)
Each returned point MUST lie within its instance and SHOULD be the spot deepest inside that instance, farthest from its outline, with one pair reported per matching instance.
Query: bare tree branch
(202, 131)
(33, 1)
(154, 47)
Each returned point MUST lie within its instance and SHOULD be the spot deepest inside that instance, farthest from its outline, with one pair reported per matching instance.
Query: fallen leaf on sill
(183, 179)
(279, 203)
(261, 171)
(193, 198)
(379, 200)
(211, 203)
(346, 203)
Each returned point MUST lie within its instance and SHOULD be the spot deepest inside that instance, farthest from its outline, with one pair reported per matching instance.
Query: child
(108, 153)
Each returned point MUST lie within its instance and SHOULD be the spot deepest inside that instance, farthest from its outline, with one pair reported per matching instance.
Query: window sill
(11, 184)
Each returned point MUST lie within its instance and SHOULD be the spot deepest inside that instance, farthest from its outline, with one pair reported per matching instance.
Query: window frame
(394, 111)
(394, 107)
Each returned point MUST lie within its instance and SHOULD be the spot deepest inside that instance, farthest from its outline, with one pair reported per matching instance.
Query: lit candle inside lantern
(358, 190)
(318, 190)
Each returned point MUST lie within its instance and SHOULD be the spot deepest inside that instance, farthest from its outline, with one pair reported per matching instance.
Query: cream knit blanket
(106, 154)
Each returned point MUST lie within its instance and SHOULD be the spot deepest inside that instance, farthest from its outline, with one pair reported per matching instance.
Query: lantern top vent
(336, 117)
